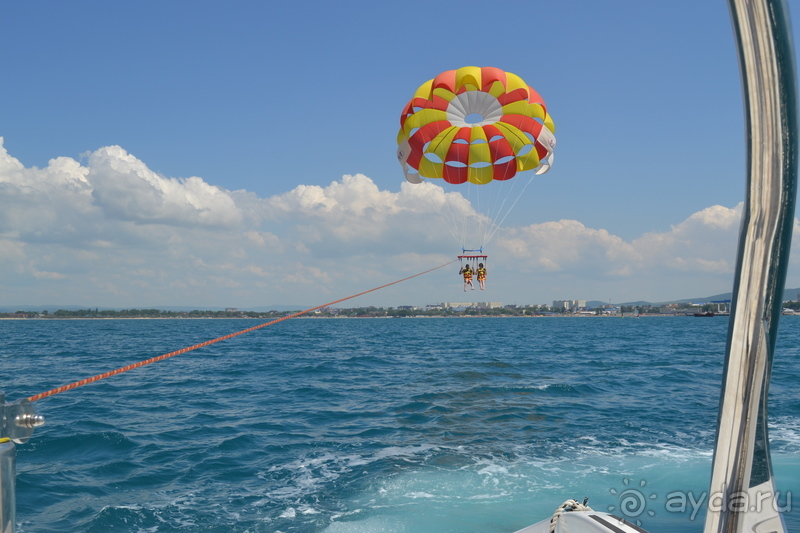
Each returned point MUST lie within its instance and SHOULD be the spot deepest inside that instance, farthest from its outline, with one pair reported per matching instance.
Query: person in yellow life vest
(481, 273)
(466, 271)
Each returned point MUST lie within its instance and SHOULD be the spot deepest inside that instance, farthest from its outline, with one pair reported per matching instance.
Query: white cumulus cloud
(114, 233)
(124, 188)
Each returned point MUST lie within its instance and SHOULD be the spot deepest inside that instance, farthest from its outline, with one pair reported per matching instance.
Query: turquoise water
(377, 425)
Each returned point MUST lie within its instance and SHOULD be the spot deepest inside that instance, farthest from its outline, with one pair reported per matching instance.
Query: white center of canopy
(464, 109)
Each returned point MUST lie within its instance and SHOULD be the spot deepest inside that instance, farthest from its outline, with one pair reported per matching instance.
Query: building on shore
(474, 305)
(567, 305)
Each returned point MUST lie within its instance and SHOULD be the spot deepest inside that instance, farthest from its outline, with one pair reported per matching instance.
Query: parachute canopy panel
(476, 125)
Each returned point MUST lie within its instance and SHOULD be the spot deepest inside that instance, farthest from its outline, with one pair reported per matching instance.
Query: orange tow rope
(212, 341)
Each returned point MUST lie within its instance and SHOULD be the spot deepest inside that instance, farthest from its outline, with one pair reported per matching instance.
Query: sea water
(379, 425)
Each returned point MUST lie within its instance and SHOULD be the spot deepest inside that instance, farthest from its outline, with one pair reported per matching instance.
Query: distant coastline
(644, 308)
(315, 317)
(579, 309)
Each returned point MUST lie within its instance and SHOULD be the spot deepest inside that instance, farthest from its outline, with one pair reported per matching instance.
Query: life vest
(467, 275)
(481, 274)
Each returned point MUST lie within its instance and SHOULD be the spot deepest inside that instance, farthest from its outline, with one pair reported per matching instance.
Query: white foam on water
(494, 469)
(784, 434)
(505, 493)
(308, 475)
(402, 451)
(435, 488)
(415, 495)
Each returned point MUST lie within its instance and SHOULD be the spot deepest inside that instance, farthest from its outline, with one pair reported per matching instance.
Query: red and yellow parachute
(476, 125)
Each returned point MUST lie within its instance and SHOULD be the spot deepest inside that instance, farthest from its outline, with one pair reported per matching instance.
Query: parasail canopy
(476, 125)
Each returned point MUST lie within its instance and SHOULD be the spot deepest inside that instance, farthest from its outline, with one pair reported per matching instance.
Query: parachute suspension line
(458, 213)
(501, 193)
(218, 339)
(492, 202)
(491, 199)
(484, 202)
(499, 224)
(472, 194)
(480, 198)
(448, 216)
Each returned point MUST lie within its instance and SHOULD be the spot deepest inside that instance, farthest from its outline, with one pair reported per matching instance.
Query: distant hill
(788, 294)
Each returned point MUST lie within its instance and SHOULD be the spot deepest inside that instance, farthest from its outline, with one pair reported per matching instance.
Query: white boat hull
(585, 522)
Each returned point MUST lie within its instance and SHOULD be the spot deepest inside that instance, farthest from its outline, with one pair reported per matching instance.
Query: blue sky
(243, 154)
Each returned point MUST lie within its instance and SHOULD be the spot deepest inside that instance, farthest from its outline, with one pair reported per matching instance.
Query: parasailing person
(466, 271)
